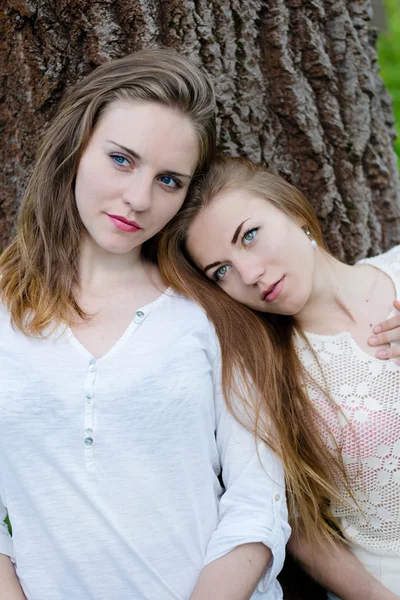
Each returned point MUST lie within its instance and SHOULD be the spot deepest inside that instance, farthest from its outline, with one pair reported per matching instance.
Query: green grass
(389, 59)
(8, 524)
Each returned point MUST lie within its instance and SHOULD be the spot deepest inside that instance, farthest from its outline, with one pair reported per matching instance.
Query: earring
(309, 235)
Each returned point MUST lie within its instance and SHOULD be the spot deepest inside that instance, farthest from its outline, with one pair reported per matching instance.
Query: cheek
(301, 284)
(166, 208)
(79, 195)
(94, 178)
(83, 185)
(90, 191)
(235, 290)
(306, 265)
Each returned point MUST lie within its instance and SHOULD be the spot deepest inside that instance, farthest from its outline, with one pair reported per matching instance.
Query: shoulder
(189, 317)
(183, 306)
(388, 262)
(387, 259)
(7, 332)
(5, 316)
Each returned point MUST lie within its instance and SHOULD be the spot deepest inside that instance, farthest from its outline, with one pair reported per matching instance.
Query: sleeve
(6, 545)
(253, 507)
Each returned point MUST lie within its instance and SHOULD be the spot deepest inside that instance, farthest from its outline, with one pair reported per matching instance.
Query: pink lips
(273, 291)
(123, 224)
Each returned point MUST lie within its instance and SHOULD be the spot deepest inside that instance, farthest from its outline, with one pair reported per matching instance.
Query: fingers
(386, 333)
(386, 337)
(388, 324)
(385, 353)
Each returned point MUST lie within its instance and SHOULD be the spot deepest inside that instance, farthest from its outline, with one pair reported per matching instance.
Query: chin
(115, 249)
(294, 309)
(113, 246)
(288, 310)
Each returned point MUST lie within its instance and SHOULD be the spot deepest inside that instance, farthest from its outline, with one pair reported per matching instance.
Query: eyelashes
(177, 183)
(119, 159)
(220, 273)
(167, 180)
(247, 238)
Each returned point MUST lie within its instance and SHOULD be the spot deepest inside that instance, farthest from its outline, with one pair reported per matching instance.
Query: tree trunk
(297, 84)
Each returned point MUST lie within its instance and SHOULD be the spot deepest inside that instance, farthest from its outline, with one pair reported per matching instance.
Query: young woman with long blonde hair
(248, 247)
(114, 432)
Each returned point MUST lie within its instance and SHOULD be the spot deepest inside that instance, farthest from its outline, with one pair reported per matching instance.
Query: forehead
(230, 204)
(211, 232)
(149, 128)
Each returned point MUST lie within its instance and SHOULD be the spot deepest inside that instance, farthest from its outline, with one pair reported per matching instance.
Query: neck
(337, 293)
(101, 270)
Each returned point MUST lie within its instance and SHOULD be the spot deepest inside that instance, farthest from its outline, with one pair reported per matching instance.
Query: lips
(124, 224)
(273, 291)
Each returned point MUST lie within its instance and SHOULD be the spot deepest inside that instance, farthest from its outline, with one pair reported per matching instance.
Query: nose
(138, 192)
(250, 270)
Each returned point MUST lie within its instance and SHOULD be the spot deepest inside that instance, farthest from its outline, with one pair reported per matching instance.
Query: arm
(234, 576)
(336, 568)
(385, 333)
(10, 588)
(248, 546)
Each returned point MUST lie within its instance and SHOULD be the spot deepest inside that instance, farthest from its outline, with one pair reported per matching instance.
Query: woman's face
(254, 252)
(134, 174)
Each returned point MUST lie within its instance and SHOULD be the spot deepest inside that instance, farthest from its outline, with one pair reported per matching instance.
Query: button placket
(89, 436)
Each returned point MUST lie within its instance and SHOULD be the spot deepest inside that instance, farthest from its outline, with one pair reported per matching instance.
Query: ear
(308, 233)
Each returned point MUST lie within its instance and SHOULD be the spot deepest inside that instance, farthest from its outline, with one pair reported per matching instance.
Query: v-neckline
(140, 315)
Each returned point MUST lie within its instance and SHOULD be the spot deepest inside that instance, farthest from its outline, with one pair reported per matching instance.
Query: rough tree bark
(297, 84)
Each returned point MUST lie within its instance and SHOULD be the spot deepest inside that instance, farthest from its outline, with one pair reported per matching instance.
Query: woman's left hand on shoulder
(385, 333)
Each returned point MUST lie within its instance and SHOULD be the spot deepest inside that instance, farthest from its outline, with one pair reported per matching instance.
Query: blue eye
(120, 160)
(170, 181)
(220, 273)
(249, 236)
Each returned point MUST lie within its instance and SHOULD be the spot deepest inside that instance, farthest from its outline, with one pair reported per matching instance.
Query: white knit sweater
(367, 390)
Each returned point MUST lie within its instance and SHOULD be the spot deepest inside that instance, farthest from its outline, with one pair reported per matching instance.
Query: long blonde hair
(260, 348)
(40, 267)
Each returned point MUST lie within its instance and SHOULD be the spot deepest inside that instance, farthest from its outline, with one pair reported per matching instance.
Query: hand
(386, 332)
(386, 595)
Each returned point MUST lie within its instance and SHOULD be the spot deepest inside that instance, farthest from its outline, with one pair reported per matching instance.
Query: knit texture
(363, 416)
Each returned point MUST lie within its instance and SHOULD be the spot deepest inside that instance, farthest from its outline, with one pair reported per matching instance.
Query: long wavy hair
(40, 267)
(259, 348)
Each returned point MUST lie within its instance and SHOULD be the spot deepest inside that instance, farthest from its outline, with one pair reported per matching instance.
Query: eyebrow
(138, 157)
(238, 230)
(233, 241)
(214, 264)
(127, 150)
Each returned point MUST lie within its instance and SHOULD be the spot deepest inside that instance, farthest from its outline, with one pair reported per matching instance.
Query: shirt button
(88, 442)
(89, 394)
(138, 316)
(92, 366)
(277, 497)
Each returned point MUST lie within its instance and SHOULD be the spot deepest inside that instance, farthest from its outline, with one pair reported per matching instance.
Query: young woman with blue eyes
(248, 247)
(114, 423)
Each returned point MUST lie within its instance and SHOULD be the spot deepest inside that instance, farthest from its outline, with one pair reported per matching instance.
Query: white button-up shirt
(109, 468)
